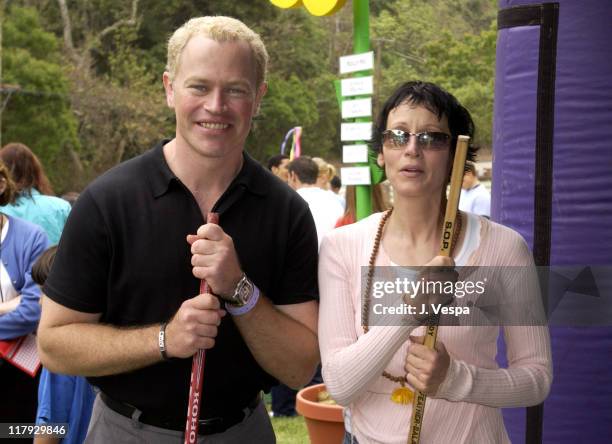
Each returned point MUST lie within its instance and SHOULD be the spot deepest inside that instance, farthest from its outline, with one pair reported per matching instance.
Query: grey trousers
(107, 426)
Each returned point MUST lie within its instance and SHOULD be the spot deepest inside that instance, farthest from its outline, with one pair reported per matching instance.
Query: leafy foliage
(466, 67)
(103, 101)
(448, 42)
(38, 113)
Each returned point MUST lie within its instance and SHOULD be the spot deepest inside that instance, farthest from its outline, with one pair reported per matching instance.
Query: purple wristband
(238, 311)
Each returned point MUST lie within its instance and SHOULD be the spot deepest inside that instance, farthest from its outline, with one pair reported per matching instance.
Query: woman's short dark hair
(436, 100)
(10, 192)
(42, 266)
(25, 168)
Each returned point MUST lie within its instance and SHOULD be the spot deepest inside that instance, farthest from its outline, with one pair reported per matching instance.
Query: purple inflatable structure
(552, 182)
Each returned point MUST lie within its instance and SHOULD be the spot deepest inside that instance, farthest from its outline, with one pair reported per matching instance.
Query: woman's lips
(411, 171)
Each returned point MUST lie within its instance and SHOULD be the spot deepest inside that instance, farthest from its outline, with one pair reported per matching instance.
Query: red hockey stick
(197, 373)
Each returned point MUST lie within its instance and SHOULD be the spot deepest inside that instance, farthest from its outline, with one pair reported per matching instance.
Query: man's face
(468, 180)
(281, 170)
(214, 96)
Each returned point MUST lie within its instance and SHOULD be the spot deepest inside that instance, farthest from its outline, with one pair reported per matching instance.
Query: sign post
(361, 44)
(357, 108)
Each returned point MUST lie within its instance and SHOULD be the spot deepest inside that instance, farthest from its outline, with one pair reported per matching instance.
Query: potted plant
(324, 421)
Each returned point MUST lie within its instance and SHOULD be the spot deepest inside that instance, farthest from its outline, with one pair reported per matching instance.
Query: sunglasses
(396, 139)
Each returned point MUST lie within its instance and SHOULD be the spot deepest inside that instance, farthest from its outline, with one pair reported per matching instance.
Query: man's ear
(261, 92)
(169, 88)
(292, 179)
(380, 160)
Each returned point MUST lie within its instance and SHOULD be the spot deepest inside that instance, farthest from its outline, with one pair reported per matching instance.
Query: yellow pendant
(402, 395)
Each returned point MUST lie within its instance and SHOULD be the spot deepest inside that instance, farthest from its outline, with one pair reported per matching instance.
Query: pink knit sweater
(466, 407)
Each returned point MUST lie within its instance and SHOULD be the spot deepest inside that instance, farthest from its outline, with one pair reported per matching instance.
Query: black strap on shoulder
(546, 16)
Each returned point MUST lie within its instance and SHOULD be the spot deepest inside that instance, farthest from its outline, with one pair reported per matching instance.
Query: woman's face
(416, 170)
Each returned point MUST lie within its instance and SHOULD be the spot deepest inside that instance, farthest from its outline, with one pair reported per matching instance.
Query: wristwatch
(243, 292)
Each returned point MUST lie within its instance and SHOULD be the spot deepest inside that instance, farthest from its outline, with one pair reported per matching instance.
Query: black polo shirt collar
(161, 176)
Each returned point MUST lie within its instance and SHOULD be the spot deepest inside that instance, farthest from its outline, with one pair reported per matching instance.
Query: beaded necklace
(402, 394)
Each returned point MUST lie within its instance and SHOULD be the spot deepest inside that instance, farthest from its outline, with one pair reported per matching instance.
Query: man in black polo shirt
(122, 303)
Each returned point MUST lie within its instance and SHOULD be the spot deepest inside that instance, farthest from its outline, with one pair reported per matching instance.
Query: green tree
(287, 104)
(133, 57)
(300, 85)
(38, 113)
(466, 66)
(448, 42)
(121, 113)
(115, 52)
(118, 101)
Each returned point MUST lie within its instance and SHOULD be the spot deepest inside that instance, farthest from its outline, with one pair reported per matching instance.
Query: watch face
(244, 291)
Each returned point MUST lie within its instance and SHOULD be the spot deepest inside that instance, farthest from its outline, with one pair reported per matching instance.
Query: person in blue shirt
(475, 198)
(35, 201)
(21, 243)
(62, 399)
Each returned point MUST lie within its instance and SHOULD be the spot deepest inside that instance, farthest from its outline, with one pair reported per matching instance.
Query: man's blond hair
(220, 29)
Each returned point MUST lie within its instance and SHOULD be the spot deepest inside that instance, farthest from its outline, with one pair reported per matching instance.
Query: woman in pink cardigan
(363, 368)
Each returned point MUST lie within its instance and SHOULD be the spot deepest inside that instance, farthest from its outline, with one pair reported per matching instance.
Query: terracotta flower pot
(325, 422)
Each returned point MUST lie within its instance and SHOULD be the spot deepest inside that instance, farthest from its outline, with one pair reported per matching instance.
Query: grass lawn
(290, 430)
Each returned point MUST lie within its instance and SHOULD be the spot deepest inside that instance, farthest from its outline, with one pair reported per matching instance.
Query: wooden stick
(446, 244)
(197, 373)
